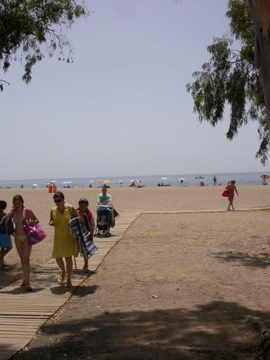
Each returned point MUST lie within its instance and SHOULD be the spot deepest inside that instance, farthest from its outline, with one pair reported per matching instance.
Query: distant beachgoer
(64, 244)
(20, 218)
(214, 180)
(264, 180)
(54, 188)
(83, 209)
(5, 238)
(231, 188)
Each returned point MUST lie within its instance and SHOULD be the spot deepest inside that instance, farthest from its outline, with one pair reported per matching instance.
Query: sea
(243, 178)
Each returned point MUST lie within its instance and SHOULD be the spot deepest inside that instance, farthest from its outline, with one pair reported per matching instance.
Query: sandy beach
(147, 198)
(182, 283)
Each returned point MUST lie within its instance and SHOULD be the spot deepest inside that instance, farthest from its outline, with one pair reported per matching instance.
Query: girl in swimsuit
(231, 188)
(21, 241)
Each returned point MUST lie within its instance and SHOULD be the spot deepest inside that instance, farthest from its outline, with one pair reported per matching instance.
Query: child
(6, 228)
(90, 225)
(102, 224)
(231, 188)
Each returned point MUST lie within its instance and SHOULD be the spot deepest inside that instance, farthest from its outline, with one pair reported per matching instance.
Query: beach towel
(83, 237)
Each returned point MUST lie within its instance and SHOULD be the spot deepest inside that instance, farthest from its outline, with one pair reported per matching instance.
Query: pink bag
(34, 233)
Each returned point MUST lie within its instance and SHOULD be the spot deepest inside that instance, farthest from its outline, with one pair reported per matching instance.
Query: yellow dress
(64, 244)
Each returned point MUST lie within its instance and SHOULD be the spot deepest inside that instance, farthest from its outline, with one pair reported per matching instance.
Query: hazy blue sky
(122, 108)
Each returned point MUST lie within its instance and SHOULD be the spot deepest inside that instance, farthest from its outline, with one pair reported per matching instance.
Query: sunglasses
(58, 200)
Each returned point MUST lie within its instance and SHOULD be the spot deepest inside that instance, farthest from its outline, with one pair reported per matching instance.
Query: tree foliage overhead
(33, 28)
(231, 78)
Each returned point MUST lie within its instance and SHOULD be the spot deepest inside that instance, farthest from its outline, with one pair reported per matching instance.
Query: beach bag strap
(69, 212)
(25, 213)
(70, 218)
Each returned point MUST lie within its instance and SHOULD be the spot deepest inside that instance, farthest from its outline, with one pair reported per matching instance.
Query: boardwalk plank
(21, 313)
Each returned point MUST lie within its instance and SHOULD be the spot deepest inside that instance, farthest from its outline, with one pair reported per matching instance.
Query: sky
(121, 108)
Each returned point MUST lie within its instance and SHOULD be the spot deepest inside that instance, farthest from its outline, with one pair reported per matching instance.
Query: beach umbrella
(120, 182)
(165, 180)
(67, 184)
(265, 176)
(90, 183)
(104, 182)
(34, 186)
(134, 180)
(182, 179)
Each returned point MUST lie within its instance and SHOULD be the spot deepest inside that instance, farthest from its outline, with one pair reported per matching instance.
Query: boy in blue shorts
(5, 239)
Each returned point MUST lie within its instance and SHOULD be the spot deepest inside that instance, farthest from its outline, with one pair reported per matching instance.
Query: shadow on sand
(261, 260)
(217, 330)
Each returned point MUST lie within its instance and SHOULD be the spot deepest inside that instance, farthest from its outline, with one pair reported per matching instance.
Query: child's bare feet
(85, 269)
(28, 288)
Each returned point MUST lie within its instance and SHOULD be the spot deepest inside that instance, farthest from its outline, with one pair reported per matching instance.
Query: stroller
(104, 218)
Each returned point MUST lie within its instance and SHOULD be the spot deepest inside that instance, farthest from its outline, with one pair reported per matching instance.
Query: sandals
(26, 287)
(61, 278)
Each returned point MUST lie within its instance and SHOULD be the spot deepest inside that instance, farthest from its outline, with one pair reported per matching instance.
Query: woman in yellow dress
(64, 244)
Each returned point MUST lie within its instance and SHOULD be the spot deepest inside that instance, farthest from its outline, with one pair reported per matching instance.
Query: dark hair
(104, 186)
(3, 204)
(83, 201)
(17, 198)
(59, 195)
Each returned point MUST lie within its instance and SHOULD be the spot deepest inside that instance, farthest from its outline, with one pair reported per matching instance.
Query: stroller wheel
(98, 234)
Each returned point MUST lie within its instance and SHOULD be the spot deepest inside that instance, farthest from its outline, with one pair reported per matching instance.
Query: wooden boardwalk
(21, 313)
